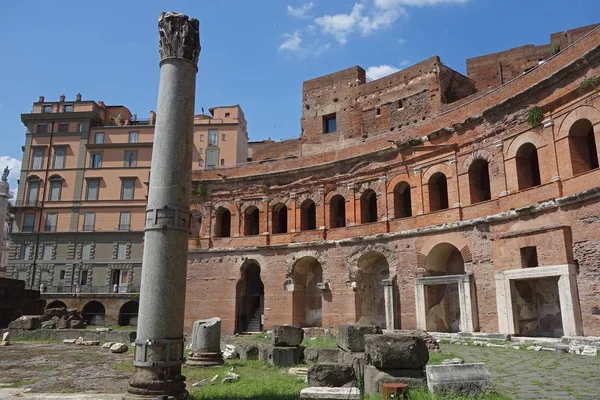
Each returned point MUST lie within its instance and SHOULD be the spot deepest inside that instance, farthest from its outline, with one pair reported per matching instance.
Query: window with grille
(51, 219)
(59, 158)
(36, 160)
(130, 158)
(91, 192)
(127, 188)
(55, 186)
(124, 221)
(89, 220)
(133, 137)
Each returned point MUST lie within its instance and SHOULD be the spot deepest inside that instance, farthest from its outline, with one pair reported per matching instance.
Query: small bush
(200, 191)
(588, 84)
(535, 115)
(554, 49)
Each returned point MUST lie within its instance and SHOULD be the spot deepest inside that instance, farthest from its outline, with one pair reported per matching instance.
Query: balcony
(85, 289)
(88, 228)
(28, 204)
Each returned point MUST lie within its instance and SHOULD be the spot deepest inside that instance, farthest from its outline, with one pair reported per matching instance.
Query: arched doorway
(368, 206)
(402, 200)
(223, 223)
(279, 218)
(442, 300)
(56, 304)
(308, 215)
(251, 221)
(438, 192)
(479, 181)
(582, 147)
(528, 167)
(337, 211)
(373, 268)
(128, 314)
(250, 294)
(307, 297)
(93, 313)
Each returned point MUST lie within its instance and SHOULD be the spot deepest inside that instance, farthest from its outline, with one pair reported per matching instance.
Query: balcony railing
(88, 228)
(124, 227)
(27, 228)
(50, 228)
(28, 203)
(72, 290)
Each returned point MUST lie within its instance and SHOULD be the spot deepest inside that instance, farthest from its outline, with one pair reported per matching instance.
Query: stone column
(388, 295)
(4, 196)
(159, 345)
(569, 304)
(206, 343)
(421, 307)
(467, 323)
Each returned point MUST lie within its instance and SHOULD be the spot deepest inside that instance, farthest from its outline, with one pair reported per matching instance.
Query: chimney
(41, 99)
(78, 97)
(62, 98)
(152, 117)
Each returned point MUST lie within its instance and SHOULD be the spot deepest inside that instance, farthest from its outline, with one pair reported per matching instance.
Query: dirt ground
(64, 368)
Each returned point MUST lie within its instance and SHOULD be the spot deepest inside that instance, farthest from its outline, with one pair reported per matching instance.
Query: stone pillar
(4, 196)
(468, 313)
(206, 343)
(421, 307)
(569, 304)
(159, 345)
(388, 294)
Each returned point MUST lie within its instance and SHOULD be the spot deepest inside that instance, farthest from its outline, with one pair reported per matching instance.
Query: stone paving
(526, 374)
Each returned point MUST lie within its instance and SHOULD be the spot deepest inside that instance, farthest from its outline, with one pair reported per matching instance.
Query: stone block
(431, 343)
(314, 355)
(286, 356)
(326, 393)
(352, 337)
(119, 348)
(265, 354)
(375, 378)
(463, 379)
(357, 360)
(287, 336)
(331, 375)
(249, 352)
(394, 351)
(26, 322)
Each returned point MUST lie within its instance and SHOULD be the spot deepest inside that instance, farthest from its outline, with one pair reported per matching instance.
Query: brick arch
(234, 222)
(343, 191)
(308, 195)
(385, 251)
(443, 168)
(584, 112)
(252, 203)
(455, 239)
(232, 207)
(280, 199)
(527, 137)
(474, 156)
(293, 258)
(402, 177)
(373, 185)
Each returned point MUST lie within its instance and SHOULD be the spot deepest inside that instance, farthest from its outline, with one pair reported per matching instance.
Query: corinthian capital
(179, 37)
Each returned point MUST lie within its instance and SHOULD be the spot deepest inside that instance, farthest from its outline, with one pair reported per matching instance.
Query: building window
(47, 109)
(251, 221)
(279, 218)
(222, 137)
(96, 160)
(89, 219)
(91, 192)
(122, 251)
(59, 158)
(130, 158)
(63, 127)
(62, 274)
(133, 137)
(127, 188)
(200, 162)
(582, 147)
(84, 278)
(99, 138)
(368, 206)
(68, 108)
(529, 258)
(227, 115)
(47, 252)
(33, 191)
(200, 151)
(36, 160)
(124, 221)
(329, 123)
(402, 200)
(308, 215)
(212, 155)
(42, 128)
(438, 192)
(528, 167)
(222, 162)
(213, 136)
(223, 223)
(86, 251)
(79, 127)
(399, 105)
(55, 188)
(337, 211)
(202, 138)
(28, 222)
(479, 181)
(25, 252)
(51, 219)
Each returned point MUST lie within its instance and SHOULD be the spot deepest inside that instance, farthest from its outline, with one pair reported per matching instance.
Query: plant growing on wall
(535, 115)
(200, 191)
(554, 49)
(588, 84)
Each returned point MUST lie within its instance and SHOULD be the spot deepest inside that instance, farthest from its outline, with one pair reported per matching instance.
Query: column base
(205, 360)
(144, 385)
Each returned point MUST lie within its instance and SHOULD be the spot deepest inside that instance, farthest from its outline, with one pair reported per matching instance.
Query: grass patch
(123, 366)
(423, 394)
(328, 342)
(437, 358)
(113, 327)
(257, 381)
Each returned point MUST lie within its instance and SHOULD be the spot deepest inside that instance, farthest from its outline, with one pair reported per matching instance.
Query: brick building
(424, 199)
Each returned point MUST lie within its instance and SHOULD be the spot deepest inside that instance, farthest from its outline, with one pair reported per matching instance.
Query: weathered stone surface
(107, 345)
(230, 352)
(325, 393)
(6, 336)
(589, 351)
(206, 342)
(90, 343)
(287, 336)
(69, 341)
(265, 354)
(357, 360)
(248, 352)
(76, 324)
(375, 378)
(119, 348)
(394, 351)
(179, 37)
(431, 343)
(331, 375)
(464, 379)
(352, 337)
(286, 356)
(453, 361)
(26, 322)
(230, 378)
(314, 355)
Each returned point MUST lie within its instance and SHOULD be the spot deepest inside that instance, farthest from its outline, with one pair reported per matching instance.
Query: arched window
(582, 147)
(223, 223)
(438, 192)
(402, 201)
(479, 181)
(33, 190)
(368, 206)
(337, 211)
(251, 221)
(308, 215)
(279, 218)
(528, 167)
(55, 188)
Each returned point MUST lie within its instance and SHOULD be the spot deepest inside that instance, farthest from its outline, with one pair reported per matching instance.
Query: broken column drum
(206, 343)
(159, 345)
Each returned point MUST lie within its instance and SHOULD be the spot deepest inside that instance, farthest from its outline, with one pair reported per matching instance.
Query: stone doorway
(250, 294)
(373, 270)
(307, 300)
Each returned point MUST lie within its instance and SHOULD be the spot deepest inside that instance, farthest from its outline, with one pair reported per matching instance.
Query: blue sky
(255, 53)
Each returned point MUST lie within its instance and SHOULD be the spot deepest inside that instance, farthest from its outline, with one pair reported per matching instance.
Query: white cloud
(404, 62)
(341, 25)
(401, 41)
(15, 166)
(376, 72)
(292, 42)
(381, 19)
(300, 12)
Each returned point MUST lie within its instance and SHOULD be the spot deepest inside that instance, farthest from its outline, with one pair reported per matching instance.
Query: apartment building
(80, 207)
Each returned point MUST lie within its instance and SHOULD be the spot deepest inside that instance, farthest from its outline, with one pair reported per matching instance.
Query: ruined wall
(268, 149)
